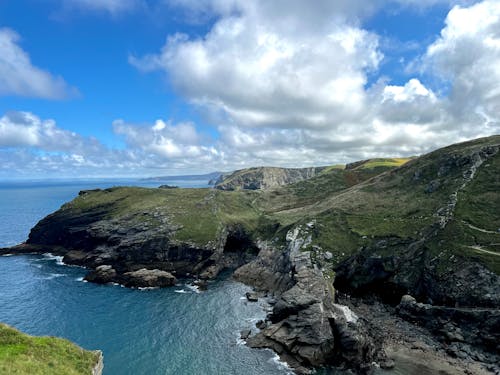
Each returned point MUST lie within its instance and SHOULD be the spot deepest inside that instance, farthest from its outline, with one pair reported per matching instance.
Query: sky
(136, 88)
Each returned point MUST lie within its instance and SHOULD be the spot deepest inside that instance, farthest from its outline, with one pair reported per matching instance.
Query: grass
(23, 354)
(353, 207)
(383, 162)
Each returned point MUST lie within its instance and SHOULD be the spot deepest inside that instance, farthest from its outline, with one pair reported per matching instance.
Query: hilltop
(24, 354)
(426, 227)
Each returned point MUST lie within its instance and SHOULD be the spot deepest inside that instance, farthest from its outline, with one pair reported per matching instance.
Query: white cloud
(467, 55)
(19, 77)
(164, 139)
(264, 69)
(288, 84)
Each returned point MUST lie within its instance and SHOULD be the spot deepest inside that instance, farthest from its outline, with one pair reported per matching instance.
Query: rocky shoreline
(311, 325)
(428, 229)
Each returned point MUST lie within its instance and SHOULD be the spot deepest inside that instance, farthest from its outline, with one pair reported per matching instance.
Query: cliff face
(429, 228)
(265, 177)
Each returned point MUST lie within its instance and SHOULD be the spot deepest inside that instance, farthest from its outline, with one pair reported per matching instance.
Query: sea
(177, 330)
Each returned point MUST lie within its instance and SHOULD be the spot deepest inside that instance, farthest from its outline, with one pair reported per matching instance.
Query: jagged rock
(245, 334)
(252, 296)
(144, 278)
(201, 284)
(261, 324)
(306, 328)
(407, 299)
(102, 275)
(265, 177)
(479, 327)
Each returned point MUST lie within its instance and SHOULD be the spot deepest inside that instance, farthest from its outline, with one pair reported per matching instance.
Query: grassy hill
(23, 354)
(408, 225)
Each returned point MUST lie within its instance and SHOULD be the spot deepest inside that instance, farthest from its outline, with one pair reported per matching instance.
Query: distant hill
(270, 177)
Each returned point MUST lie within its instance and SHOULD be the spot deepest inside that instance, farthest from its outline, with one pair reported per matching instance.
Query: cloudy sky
(145, 88)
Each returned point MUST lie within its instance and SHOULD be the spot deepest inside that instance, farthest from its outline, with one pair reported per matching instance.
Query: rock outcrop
(265, 177)
(468, 333)
(306, 328)
(428, 227)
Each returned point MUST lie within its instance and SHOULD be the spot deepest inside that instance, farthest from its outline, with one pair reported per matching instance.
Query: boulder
(252, 296)
(144, 278)
(102, 274)
(245, 334)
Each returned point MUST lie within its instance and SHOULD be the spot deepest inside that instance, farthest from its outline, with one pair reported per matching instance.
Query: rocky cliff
(428, 227)
(265, 177)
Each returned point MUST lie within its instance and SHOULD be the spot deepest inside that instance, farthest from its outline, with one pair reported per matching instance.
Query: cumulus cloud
(18, 76)
(268, 69)
(467, 55)
(167, 140)
(286, 83)
(289, 84)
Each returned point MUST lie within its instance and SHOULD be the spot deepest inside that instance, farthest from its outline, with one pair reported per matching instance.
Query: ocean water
(161, 331)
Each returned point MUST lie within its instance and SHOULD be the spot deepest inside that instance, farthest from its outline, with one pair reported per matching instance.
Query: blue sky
(139, 88)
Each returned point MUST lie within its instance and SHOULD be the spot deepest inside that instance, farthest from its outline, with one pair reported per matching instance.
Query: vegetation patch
(23, 354)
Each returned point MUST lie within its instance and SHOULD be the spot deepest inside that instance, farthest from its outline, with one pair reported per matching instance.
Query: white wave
(7, 255)
(194, 288)
(181, 291)
(80, 279)
(147, 287)
(57, 258)
(53, 276)
(280, 364)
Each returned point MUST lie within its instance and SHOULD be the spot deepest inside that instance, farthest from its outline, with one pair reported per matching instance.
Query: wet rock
(479, 327)
(387, 364)
(245, 334)
(102, 275)
(252, 296)
(261, 324)
(201, 284)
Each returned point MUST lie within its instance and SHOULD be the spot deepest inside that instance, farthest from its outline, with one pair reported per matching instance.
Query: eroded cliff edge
(428, 228)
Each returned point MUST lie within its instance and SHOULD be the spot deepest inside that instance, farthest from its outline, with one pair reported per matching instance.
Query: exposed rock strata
(265, 177)
(306, 328)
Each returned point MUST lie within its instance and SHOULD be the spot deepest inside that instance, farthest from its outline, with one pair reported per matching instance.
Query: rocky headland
(421, 236)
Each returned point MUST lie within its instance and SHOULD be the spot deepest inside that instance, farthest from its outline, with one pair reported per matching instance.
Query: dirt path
(481, 250)
(480, 229)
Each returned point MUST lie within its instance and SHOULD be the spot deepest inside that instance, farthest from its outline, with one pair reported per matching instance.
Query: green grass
(354, 207)
(384, 162)
(23, 354)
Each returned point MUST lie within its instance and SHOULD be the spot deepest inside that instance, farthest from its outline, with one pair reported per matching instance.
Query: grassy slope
(352, 207)
(23, 354)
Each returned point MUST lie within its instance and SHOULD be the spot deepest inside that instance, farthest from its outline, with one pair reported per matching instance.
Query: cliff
(428, 227)
(24, 354)
(265, 177)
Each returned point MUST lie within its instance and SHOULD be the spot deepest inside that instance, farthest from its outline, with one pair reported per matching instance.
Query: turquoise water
(161, 331)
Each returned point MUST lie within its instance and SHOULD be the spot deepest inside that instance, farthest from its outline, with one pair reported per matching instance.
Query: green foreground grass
(24, 354)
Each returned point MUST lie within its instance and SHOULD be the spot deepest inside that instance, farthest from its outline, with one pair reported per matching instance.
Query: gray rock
(245, 334)
(102, 275)
(148, 278)
(252, 296)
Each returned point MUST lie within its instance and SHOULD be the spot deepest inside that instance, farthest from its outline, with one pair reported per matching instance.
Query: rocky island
(359, 262)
